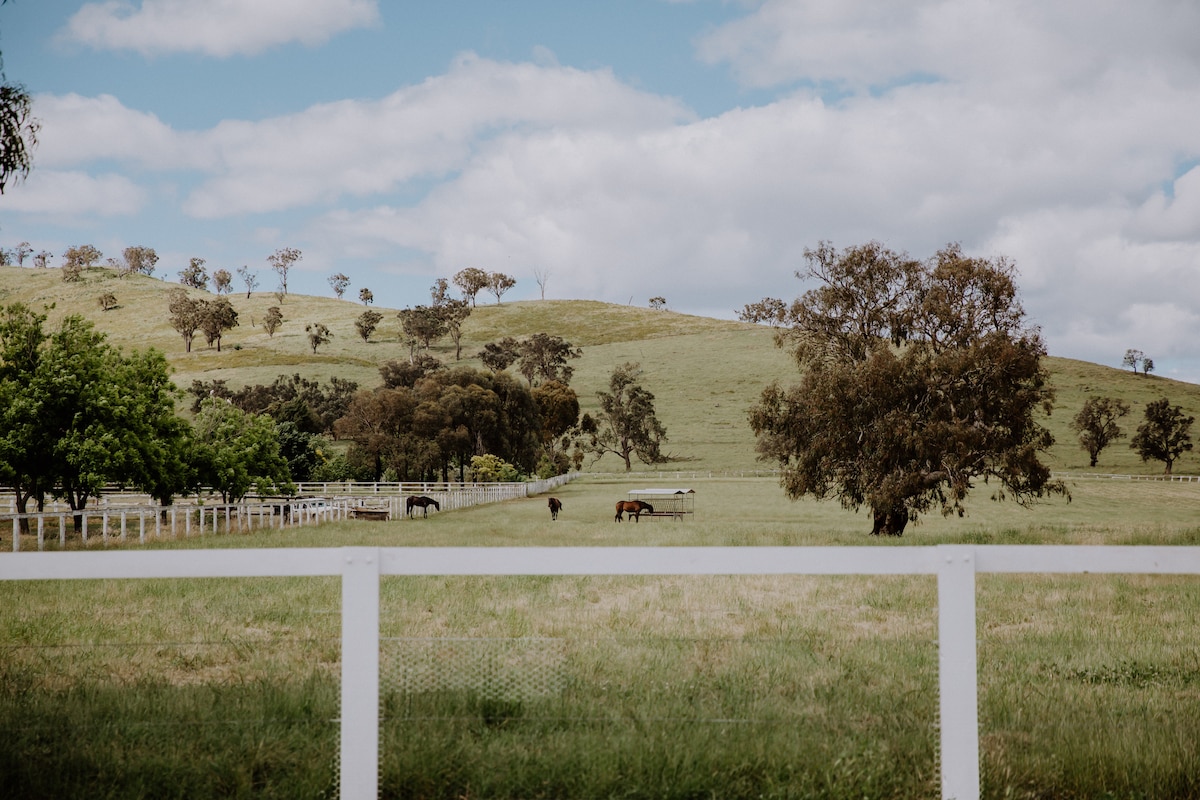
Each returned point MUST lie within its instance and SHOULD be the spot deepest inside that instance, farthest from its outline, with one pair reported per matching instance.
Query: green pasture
(635, 687)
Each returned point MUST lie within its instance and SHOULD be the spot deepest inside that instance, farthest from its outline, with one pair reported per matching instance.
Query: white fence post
(359, 756)
(958, 679)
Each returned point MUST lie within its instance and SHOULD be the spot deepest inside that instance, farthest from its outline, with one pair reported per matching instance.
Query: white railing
(160, 522)
(361, 567)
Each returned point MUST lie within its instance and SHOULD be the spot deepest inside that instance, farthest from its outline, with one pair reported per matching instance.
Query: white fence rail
(361, 568)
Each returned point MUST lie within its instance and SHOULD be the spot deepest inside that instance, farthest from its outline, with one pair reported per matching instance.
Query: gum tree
(918, 379)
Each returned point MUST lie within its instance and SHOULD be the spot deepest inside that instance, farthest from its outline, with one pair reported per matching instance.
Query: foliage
(216, 317)
(139, 259)
(769, 310)
(76, 414)
(406, 373)
(917, 380)
(493, 469)
(1165, 435)
(422, 325)
(194, 275)
(471, 281)
(1135, 358)
(78, 258)
(272, 320)
(236, 451)
(626, 424)
(311, 406)
(658, 303)
(498, 356)
(282, 261)
(366, 296)
(1096, 424)
(439, 421)
(318, 334)
(499, 283)
(186, 315)
(543, 357)
(108, 301)
(366, 322)
(222, 281)
(339, 283)
(18, 133)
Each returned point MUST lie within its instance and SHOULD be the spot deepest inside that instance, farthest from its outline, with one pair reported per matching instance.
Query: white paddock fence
(144, 519)
(361, 568)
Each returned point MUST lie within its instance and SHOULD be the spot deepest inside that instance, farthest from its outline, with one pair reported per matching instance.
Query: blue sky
(629, 149)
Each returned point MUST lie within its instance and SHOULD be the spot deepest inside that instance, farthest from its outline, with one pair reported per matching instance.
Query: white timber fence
(361, 568)
(120, 517)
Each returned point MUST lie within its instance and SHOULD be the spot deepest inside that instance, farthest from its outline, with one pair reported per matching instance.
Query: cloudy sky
(627, 149)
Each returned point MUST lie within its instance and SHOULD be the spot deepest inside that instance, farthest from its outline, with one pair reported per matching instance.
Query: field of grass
(611, 687)
(621, 687)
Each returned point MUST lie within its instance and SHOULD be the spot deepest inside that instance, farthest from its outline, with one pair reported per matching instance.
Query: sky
(629, 149)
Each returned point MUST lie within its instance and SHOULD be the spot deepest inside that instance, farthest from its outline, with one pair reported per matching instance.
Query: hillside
(704, 372)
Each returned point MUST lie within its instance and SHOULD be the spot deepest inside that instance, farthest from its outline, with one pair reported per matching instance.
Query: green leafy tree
(543, 357)
(78, 414)
(498, 356)
(917, 379)
(237, 452)
(422, 325)
(1096, 424)
(216, 317)
(366, 323)
(187, 315)
(471, 281)
(626, 425)
(454, 313)
(318, 335)
(1136, 358)
(493, 469)
(1165, 435)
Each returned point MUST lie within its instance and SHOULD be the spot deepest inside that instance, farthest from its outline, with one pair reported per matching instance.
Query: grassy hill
(704, 372)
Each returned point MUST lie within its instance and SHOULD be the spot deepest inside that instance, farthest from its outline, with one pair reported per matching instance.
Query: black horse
(635, 508)
(555, 507)
(422, 501)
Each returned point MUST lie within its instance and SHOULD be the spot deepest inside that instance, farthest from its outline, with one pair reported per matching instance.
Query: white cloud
(74, 194)
(428, 130)
(78, 130)
(219, 28)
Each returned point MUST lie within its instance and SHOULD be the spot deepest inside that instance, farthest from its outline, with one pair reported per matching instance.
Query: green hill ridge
(704, 372)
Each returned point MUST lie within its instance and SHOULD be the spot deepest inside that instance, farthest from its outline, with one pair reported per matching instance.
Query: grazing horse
(555, 507)
(634, 508)
(422, 501)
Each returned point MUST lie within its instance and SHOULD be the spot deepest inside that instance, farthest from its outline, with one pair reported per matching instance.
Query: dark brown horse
(635, 508)
(555, 507)
(422, 501)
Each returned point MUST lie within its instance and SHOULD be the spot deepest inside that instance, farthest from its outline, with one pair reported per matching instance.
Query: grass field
(550, 687)
(621, 687)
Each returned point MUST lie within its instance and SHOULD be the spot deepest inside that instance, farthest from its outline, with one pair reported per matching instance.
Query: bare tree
(541, 275)
(339, 282)
(249, 278)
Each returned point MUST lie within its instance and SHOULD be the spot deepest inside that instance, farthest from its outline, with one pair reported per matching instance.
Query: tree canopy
(626, 424)
(1165, 435)
(917, 380)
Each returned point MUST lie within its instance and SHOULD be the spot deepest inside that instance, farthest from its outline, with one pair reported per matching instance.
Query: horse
(555, 507)
(422, 501)
(634, 508)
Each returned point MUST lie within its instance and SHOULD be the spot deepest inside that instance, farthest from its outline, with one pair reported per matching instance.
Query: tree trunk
(890, 521)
